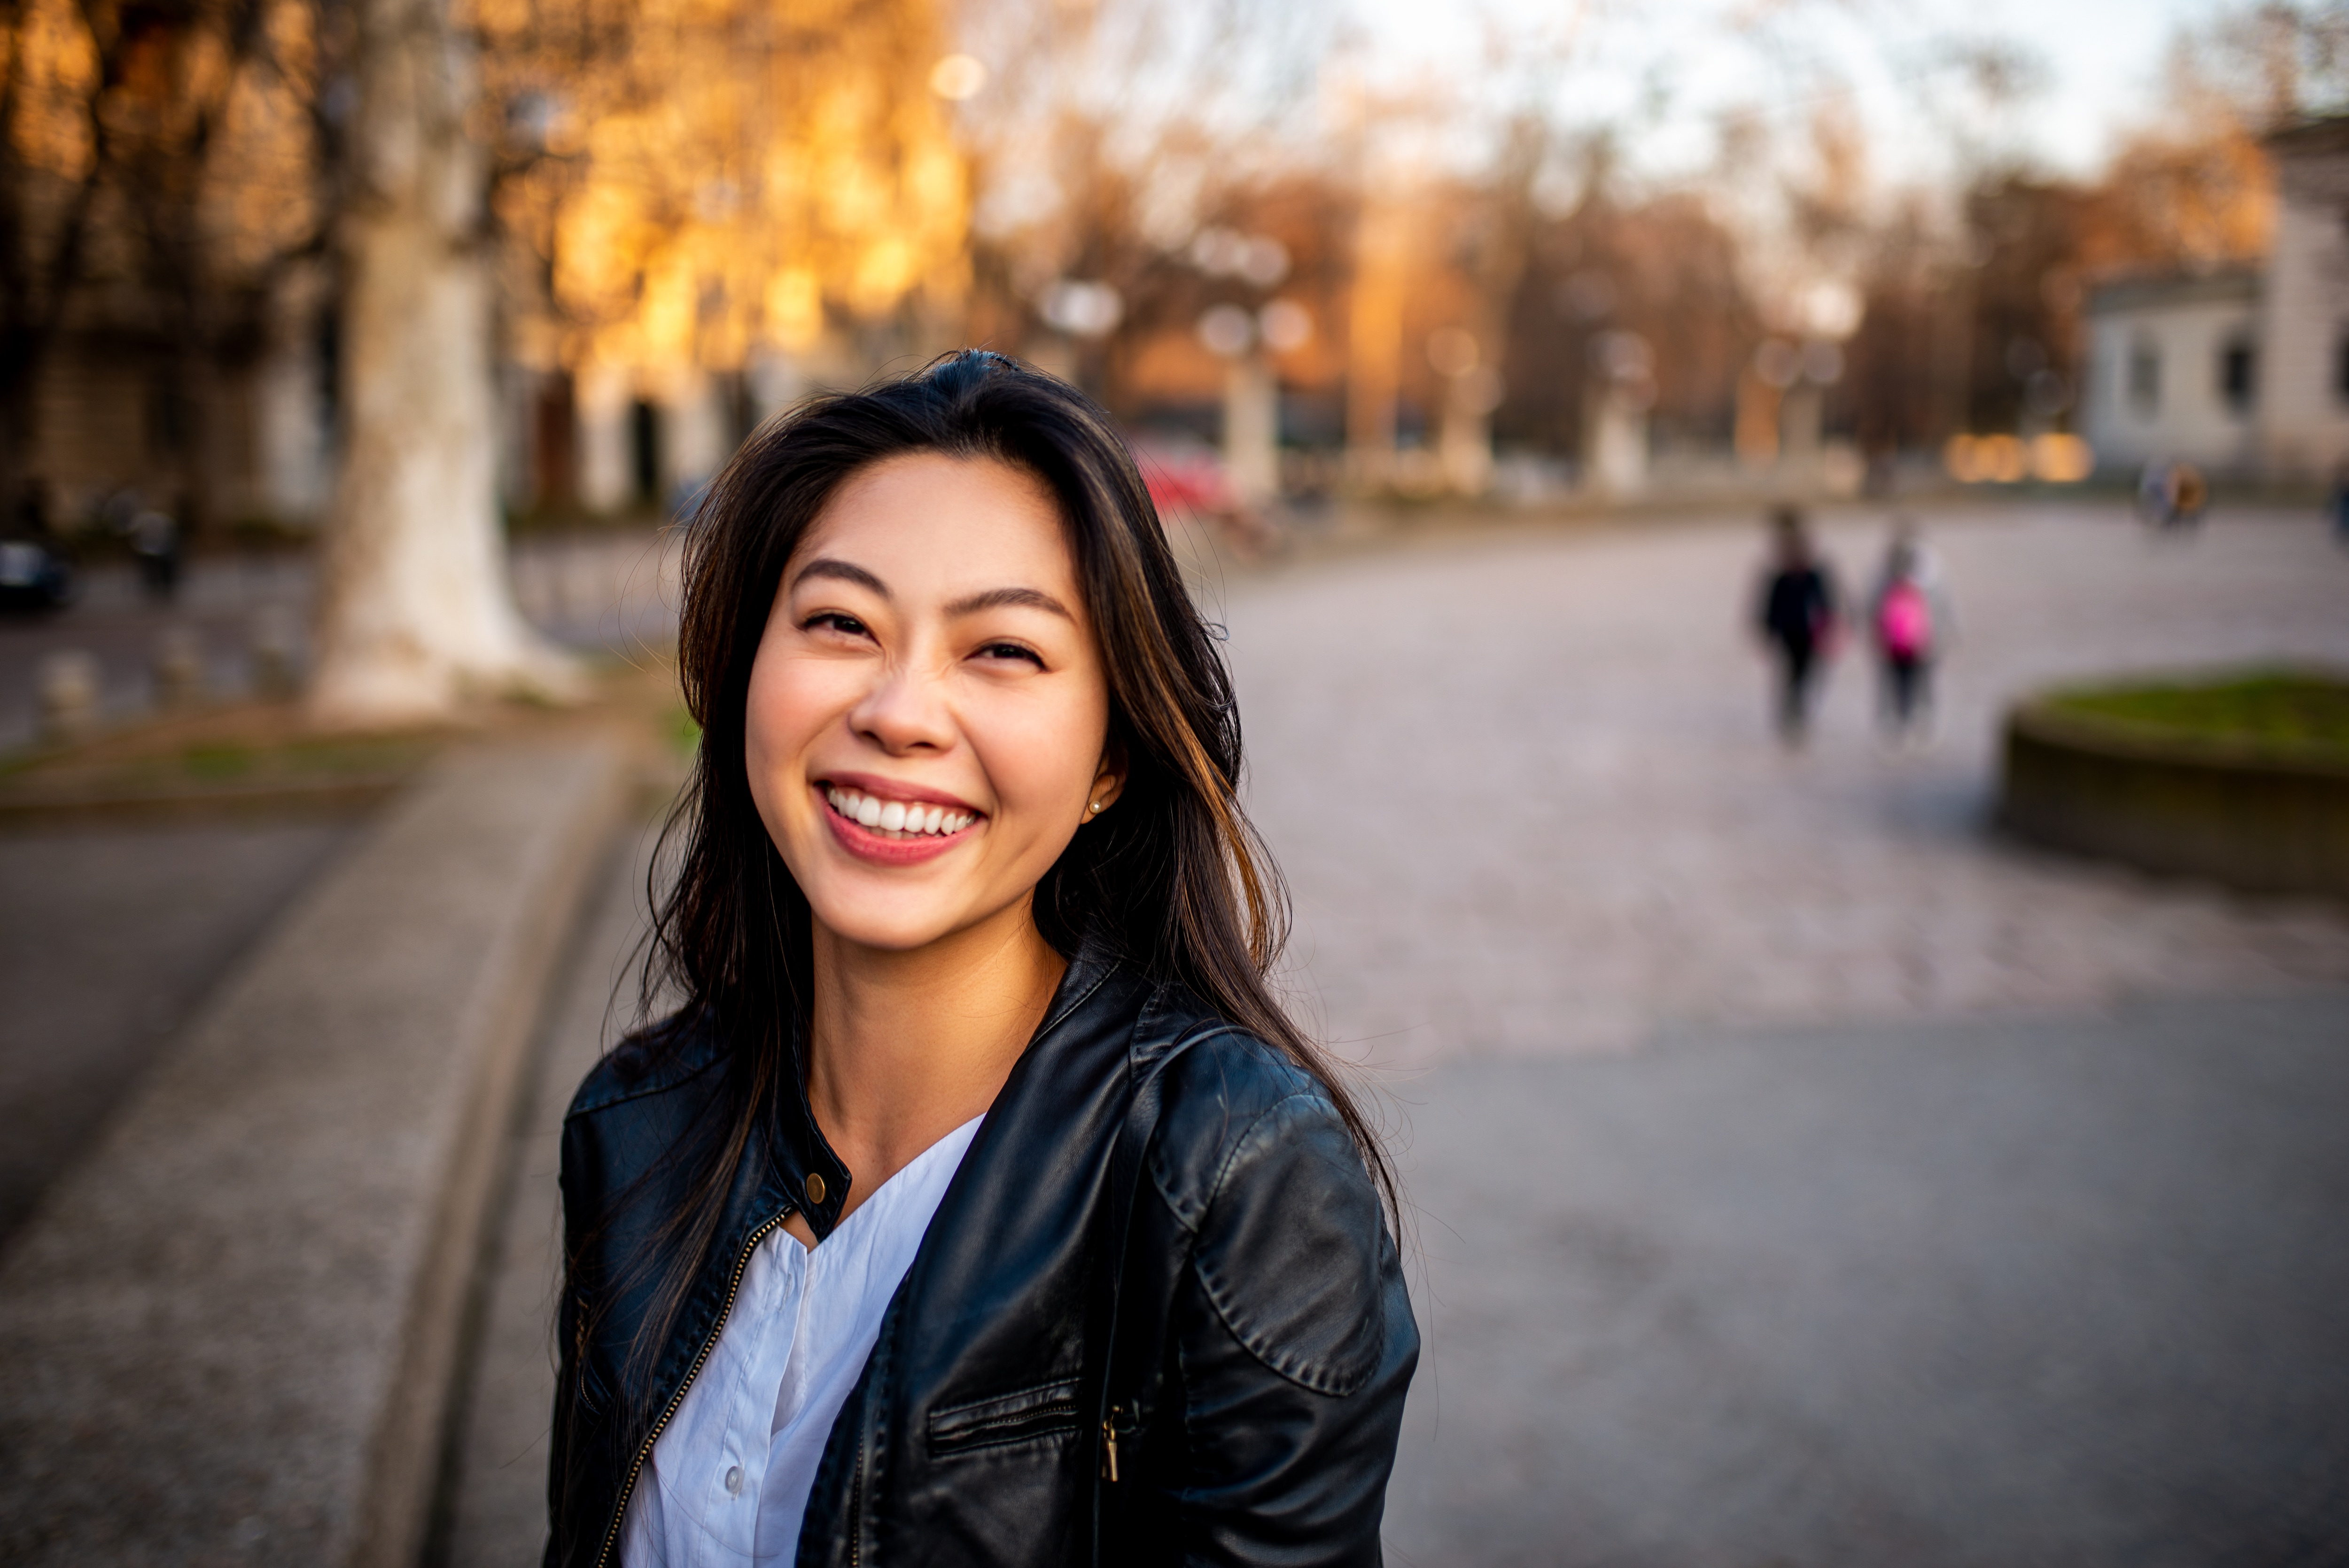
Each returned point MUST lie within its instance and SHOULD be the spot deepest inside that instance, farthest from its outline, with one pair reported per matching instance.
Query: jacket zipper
(1109, 1431)
(733, 1285)
(856, 1509)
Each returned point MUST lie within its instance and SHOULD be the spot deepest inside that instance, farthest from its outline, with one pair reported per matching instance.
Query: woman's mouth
(896, 821)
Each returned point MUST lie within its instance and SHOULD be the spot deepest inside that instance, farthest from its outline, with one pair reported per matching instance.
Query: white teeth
(896, 816)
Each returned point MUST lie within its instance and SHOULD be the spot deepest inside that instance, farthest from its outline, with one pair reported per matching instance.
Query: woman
(981, 1205)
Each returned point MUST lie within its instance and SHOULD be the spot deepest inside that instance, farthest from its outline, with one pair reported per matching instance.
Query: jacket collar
(797, 1150)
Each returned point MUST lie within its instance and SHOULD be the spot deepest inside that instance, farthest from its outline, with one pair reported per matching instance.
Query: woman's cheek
(1039, 765)
(1029, 750)
(783, 713)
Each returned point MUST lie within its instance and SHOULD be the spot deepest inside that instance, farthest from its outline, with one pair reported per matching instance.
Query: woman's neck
(907, 1047)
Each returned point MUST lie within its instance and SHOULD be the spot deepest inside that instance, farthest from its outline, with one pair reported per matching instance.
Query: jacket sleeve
(1294, 1345)
(566, 1370)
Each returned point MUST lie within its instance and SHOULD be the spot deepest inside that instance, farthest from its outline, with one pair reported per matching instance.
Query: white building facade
(2304, 427)
(2173, 371)
(2243, 371)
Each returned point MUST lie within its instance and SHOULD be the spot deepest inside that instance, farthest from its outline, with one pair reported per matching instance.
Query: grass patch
(125, 765)
(219, 760)
(2288, 710)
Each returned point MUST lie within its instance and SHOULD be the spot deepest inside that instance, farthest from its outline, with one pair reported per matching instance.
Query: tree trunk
(415, 609)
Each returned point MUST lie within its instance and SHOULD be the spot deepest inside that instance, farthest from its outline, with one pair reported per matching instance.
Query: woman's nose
(905, 711)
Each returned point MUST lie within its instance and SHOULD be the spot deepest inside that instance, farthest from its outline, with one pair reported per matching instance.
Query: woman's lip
(869, 846)
(881, 789)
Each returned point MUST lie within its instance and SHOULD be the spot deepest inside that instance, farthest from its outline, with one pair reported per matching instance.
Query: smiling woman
(981, 1205)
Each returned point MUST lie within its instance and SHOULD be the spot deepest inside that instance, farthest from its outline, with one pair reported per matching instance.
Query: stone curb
(230, 1331)
(2263, 820)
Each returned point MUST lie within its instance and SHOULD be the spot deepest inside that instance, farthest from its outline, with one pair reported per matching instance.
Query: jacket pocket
(1045, 1410)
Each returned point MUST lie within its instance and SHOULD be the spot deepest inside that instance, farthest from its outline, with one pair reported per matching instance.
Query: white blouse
(729, 1478)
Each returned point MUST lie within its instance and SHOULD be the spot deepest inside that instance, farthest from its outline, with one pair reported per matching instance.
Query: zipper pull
(1111, 1427)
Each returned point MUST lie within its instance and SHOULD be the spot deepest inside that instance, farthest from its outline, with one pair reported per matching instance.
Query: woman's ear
(1109, 780)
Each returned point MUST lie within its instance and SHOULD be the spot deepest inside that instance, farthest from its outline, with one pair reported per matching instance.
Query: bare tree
(416, 610)
(62, 69)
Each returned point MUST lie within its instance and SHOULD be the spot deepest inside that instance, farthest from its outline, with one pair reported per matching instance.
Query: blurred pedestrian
(2172, 496)
(953, 1177)
(32, 520)
(2190, 496)
(1796, 617)
(2337, 503)
(2153, 493)
(1910, 617)
(155, 542)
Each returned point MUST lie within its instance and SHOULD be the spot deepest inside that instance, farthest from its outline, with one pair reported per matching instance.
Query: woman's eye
(832, 620)
(1011, 651)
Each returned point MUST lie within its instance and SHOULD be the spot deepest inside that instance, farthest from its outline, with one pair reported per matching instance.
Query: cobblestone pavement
(221, 605)
(611, 591)
(1524, 793)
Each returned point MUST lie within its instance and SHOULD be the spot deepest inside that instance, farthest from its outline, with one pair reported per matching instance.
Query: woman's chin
(889, 925)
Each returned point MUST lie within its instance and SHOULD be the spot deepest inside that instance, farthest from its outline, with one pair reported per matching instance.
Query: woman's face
(927, 711)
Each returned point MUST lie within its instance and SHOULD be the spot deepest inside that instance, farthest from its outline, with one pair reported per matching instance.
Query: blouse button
(734, 1481)
(816, 1187)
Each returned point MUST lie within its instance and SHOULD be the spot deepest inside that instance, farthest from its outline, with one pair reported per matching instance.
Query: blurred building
(243, 438)
(2172, 370)
(2243, 371)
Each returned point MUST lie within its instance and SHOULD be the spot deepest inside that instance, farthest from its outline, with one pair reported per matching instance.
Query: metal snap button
(816, 1187)
(734, 1480)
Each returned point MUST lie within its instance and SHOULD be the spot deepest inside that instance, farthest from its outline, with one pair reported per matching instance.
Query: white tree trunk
(601, 396)
(415, 608)
(1252, 430)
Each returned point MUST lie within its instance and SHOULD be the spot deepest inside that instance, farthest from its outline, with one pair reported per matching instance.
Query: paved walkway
(1527, 801)
(1976, 1293)
(493, 1507)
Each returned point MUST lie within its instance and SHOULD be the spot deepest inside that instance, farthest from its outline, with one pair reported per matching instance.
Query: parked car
(34, 576)
(1187, 477)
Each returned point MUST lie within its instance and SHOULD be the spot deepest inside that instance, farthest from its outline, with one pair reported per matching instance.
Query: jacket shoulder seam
(1203, 1032)
(676, 1078)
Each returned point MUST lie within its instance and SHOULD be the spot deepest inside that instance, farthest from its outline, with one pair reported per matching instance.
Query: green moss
(217, 761)
(2294, 710)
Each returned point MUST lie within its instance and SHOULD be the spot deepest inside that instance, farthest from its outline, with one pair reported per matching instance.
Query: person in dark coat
(1796, 617)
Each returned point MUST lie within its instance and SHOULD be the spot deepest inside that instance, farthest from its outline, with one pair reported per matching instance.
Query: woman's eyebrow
(847, 571)
(996, 598)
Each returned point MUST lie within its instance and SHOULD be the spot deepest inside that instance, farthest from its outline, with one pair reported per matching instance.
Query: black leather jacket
(1264, 1340)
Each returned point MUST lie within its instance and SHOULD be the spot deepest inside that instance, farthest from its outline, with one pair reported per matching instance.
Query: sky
(2108, 57)
(2102, 62)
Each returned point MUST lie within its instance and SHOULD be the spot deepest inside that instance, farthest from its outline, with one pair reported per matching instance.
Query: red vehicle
(1187, 479)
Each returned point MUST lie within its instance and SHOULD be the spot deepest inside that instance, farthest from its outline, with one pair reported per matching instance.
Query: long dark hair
(1174, 878)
